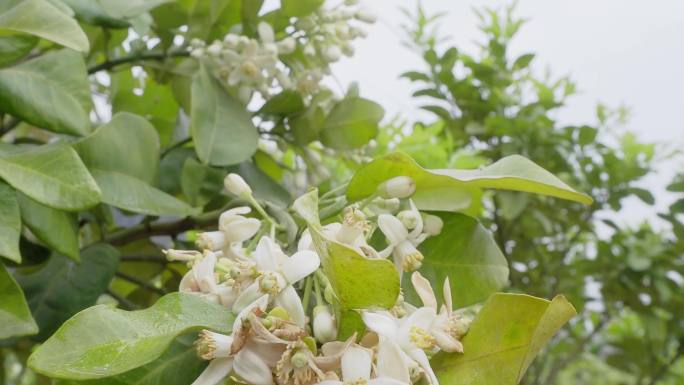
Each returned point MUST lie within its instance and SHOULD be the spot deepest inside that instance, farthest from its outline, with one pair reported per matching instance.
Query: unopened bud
(459, 325)
(299, 360)
(324, 326)
(214, 49)
(287, 45)
(332, 53)
(182, 255)
(432, 224)
(397, 187)
(236, 185)
(409, 218)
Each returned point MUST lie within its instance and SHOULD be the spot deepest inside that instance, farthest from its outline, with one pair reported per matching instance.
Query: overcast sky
(620, 52)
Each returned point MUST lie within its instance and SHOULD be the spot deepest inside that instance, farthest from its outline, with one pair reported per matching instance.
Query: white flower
(432, 224)
(324, 326)
(201, 279)
(397, 187)
(236, 185)
(448, 327)
(332, 53)
(402, 243)
(411, 334)
(357, 364)
(247, 359)
(277, 274)
(234, 228)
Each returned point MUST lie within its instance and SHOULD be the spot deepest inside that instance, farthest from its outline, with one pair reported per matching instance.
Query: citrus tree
(176, 209)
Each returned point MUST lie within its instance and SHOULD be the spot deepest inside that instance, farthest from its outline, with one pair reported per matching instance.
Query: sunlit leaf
(56, 228)
(103, 341)
(507, 334)
(41, 18)
(352, 123)
(53, 175)
(10, 224)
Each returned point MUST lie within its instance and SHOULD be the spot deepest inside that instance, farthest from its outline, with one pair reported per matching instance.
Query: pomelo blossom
(286, 329)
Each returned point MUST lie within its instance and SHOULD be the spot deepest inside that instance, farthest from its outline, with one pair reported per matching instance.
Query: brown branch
(109, 64)
(141, 282)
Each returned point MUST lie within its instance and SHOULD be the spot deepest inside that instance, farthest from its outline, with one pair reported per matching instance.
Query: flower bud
(237, 186)
(214, 49)
(182, 255)
(286, 46)
(409, 218)
(324, 326)
(397, 187)
(432, 224)
(332, 53)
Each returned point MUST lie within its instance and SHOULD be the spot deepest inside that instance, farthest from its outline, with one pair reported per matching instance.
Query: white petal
(217, 370)
(265, 255)
(266, 32)
(251, 368)
(390, 362)
(289, 300)
(446, 341)
(446, 291)
(424, 290)
(382, 323)
(421, 358)
(204, 273)
(421, 318)
(393, 229)
(300, 265)
(211, 240)
(305, 242)
(241, 229)
(227, 295)
(260, 303)
(187, 283)
(240, 210)
(246, 297)
(356, 364)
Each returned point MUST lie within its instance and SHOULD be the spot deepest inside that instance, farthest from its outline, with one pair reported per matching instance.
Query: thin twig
(141, 282)
(109, 64)
(124, 302)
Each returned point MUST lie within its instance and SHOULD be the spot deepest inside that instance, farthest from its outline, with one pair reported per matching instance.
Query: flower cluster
(276, 338)
(265, 65)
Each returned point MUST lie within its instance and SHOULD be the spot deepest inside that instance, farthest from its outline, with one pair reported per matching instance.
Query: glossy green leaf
(359, 282)
(132, 194)
(50, 91)
(286, 103)
(300, 8)
(507, 334)
(352, 123)
(62, 287)
(53, 175)
(15, 47)
(92, 12)
(201, 183)
(128, 144)
(41, 18)
(130, 8)
(221, 128)
(453, 190)
(179, 365)
(466, 253)
(56, 228)
(15, 316)
(10, 224)
(103, 341)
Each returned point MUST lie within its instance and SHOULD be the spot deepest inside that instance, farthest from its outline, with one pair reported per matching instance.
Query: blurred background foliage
(626, 283)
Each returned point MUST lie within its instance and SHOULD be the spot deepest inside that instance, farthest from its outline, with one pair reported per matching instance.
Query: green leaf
(201, 183)
(286, 103)
(351, 123)
(298, 8)
(358, 282)
(62, 288)
(15, 47)
(56, 228)
(523, 61)
(10, 224)
(103, 341)
(15, 316)
(128, 144)
(50, 92)
(41, 18)
(452, 190)
(52, 175)
(132, 194)
(507, 334)
(179, 365)
(92, 12)
(221, 128)
(130, 8)
(265, 188)
(466, 253)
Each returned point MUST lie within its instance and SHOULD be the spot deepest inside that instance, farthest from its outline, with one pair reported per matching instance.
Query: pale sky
(619, 52)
